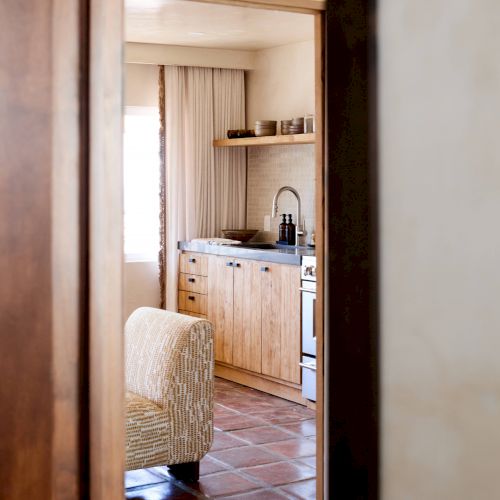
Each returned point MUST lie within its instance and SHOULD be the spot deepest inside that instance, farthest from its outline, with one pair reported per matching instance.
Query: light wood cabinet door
(220, 305)
(194, 314)
(247, 344)
(281, 322)
(290, 324)
(192, 302)
(193, 263)
(193, 283)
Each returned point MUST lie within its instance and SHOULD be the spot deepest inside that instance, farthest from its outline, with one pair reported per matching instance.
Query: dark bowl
(242, 235)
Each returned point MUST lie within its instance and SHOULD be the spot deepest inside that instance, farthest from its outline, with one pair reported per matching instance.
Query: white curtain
(229, 114)
(205, 187)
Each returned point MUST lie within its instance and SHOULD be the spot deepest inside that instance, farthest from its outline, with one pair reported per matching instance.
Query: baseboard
(291, 392)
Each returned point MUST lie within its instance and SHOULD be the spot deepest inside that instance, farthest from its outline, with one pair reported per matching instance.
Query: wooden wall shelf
(270, 140)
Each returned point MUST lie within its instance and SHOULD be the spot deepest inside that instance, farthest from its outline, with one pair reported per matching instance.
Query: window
(141, 183)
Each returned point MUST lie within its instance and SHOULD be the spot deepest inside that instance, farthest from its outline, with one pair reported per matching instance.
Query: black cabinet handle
(264, 269)
(190, 297)
(237, 264)
(192, 260)
(229, 264)
(191, 280)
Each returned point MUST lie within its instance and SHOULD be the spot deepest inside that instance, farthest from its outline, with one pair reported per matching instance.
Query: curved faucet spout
(274, 212)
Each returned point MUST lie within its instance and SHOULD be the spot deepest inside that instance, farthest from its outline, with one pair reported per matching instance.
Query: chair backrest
(168, 355)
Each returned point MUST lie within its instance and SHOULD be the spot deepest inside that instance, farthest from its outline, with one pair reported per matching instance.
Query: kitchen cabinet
(247, 315)
(255, 309)
(192, 302)
(281, 322)
(193, 284)
(193, 263)
(220, 305)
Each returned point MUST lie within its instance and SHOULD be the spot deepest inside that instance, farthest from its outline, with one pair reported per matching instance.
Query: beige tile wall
(270, 168)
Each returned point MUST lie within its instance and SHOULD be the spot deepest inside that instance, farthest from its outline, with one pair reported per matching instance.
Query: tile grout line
(255, 482)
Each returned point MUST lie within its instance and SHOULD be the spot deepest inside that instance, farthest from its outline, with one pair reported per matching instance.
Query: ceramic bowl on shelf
(265, 127)
(242, 235)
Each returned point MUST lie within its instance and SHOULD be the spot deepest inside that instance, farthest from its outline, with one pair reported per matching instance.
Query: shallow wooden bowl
(242, 235)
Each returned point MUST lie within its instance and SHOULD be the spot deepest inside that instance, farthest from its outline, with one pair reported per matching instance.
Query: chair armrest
(169, 357)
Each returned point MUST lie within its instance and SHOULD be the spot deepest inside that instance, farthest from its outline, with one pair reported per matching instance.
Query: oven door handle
(307, 290)
(314, 318)
(308, 366)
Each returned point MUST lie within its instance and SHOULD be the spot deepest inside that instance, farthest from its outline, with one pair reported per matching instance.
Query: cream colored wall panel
(141, 85)
(440, 246)
(282, 84)
(141, 286)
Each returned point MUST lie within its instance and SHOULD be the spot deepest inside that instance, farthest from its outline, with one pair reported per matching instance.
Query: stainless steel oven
(308, 362)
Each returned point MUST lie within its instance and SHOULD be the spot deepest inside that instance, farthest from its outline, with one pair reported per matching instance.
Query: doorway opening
(268, 406)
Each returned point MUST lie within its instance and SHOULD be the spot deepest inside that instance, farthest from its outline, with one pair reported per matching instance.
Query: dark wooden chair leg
(189, 472)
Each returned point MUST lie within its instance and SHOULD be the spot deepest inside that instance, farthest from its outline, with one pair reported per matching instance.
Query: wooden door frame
(347, 253)
(352, 263)
(61, 229)
(105, 251)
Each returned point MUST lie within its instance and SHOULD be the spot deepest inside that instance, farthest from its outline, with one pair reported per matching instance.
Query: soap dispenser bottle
(282, 234)
(290, 229)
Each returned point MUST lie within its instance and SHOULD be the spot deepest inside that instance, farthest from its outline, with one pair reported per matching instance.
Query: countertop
(281, 255)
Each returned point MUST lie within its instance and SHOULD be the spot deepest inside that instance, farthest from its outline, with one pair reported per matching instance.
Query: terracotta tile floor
(263, 449)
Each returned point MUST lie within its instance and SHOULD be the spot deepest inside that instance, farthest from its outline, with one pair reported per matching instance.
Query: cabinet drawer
(193, 263)
(196, 315)
(192, 302)
(193, 283)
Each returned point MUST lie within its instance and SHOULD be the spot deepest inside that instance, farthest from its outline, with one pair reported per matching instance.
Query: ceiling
(182, 22)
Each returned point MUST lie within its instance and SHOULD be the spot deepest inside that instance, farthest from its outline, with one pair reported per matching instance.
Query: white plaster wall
(141, 85)
(141, 286)
(175, 55)
(282, 84)
(281, 87)
(440, 248)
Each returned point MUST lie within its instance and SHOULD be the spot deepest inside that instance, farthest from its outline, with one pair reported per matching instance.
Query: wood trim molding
(352, 376)
(299, 6)
(43, 211)
(107, 426)
(26, 295)
(319, 54)
(69, 250)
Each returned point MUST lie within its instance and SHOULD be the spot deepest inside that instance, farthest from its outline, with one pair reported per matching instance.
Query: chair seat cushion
(147, 428)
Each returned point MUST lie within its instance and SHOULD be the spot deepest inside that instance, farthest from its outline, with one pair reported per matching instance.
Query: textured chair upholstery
(169, 382)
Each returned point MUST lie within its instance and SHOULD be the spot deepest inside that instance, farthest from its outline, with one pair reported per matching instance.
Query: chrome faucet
(298, 228)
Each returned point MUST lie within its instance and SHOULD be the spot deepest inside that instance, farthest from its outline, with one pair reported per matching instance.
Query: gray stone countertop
(280, 254)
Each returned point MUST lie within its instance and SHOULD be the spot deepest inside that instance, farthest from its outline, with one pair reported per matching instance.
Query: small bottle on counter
(282, 234)
(290, 230)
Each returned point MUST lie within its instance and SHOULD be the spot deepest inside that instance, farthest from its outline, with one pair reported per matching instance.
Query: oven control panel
(308, 268)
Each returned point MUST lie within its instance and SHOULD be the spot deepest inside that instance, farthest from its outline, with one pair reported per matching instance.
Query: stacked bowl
(297, 126)
(285, 127)
(265, 127)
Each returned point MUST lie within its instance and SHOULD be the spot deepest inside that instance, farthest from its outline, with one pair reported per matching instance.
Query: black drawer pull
(229, 264)
(191, 280)
(192, 260)
(264, 269)
(237, 264)
(190, 297)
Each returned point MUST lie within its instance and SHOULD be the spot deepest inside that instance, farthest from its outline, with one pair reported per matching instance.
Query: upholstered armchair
(169, 383)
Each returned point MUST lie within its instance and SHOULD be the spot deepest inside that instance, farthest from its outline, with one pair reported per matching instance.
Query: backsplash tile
(270, 168)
